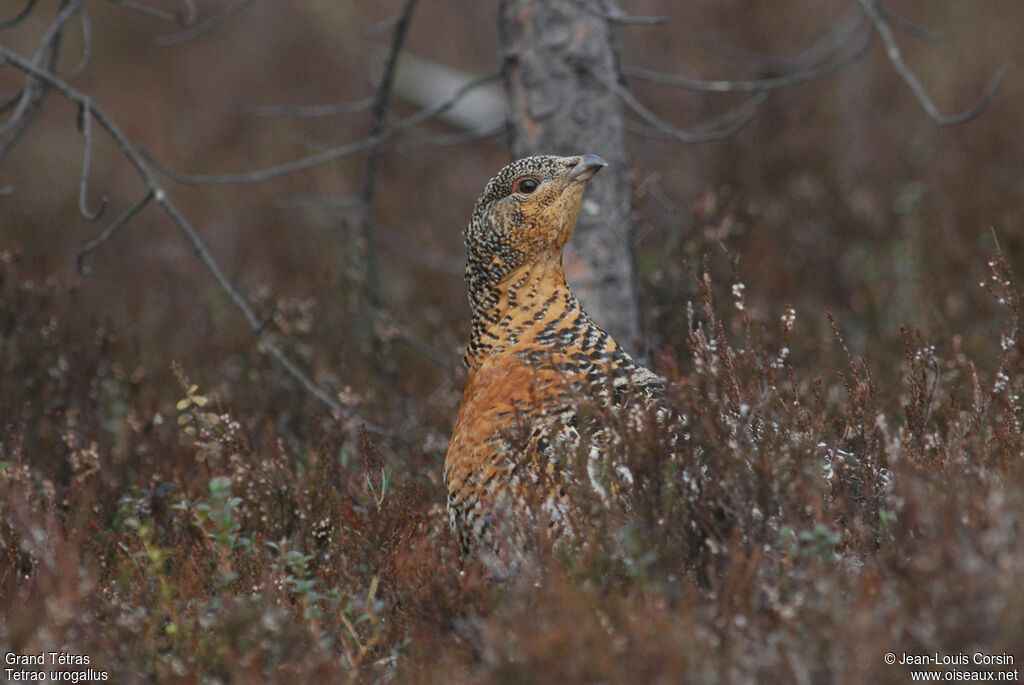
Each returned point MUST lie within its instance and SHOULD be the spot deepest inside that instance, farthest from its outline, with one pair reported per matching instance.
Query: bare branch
(328, 203)
(909, 27)
(53, 33)
(380, 109)
(731, 121)
(191, 235)
(108, 233)
(895, 55)
(828, 43)
(831, 43)
(19, 17)
(204, 26)
(309, 111)
(146, 10)
(449, 139)
(49, 42)
(349, 150)
(751, 86)
(381, 26)
(83, 61)
(85, 114)
(28, 100)
(190, 17)
(425, 349)
(615, 14)
(738, 117)
(403, 245)
(720, 127)
(422, 82)
(305, 141)
(20, 126)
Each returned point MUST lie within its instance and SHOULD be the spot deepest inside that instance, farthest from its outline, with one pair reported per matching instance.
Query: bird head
(526, 212)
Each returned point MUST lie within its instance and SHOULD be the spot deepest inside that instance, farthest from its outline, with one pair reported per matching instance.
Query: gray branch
(350, 150)
(892, 50)
(181, 221)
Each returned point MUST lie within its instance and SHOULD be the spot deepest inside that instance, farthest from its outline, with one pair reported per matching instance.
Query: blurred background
(840, 196)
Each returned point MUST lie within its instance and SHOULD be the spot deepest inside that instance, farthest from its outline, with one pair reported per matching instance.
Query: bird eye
(526, 185)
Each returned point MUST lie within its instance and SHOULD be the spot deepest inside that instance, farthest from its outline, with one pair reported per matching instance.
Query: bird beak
(584, 169)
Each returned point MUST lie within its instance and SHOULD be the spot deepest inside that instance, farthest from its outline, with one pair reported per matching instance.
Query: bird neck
(501, 311)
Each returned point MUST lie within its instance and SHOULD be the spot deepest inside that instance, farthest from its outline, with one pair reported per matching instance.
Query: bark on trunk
(558, 53)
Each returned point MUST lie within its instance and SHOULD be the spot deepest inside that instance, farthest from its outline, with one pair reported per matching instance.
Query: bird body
(534, 354)
(535, 359)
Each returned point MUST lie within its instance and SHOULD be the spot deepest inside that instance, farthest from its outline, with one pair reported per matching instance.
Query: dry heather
(211, 544)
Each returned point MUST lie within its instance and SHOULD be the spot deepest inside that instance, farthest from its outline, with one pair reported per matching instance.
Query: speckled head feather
(527, 209)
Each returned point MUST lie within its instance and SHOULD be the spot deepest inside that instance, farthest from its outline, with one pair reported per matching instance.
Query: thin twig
(828, 43)
(30, 98)
(202, 27)
(741, 115)
(267, 173)
(615, 14)
(734, 119)
(754, 85)
(328, 203)
(909, 27)
(12, 99)
(146, 10)
(53, 33)
(192, 13)
(731, 121)
(737, 113)
(306, 141)
(21, 126)
(381, 26)
(108, 233)
(895, 55)
(50, 41)
(19, 17)
(380, 109)
(402, 245)
(267, 320)
(308, 111)
(349, 150)
(192, 236)
(420, 142)
(85, 113)
(426, 350)
(83, 61)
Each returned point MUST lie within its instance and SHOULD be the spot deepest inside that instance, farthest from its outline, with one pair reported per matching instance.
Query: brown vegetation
(177, 508)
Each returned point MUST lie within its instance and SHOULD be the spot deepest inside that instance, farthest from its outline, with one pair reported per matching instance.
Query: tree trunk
(557, 55)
